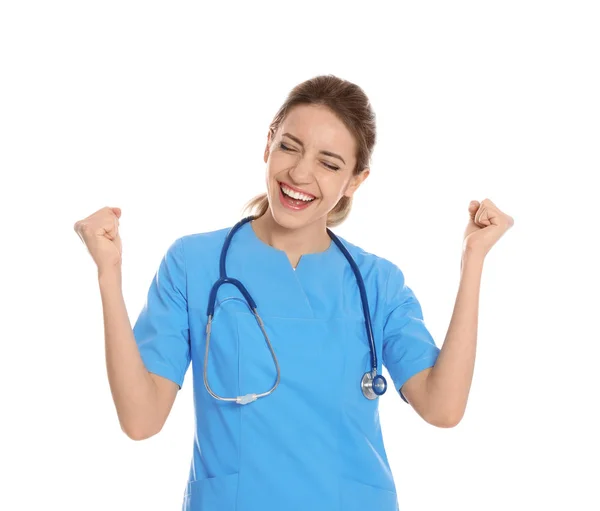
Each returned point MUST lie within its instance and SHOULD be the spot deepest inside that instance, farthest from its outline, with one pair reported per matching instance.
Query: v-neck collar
(278, 289)
(247, 232)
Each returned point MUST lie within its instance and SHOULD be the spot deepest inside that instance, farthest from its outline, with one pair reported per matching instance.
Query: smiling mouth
(299, 196)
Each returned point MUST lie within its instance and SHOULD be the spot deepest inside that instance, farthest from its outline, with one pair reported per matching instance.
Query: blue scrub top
(315, 443)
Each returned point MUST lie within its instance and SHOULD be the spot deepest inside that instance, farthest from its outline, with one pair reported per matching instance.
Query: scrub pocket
(355, 496)
(219, 492)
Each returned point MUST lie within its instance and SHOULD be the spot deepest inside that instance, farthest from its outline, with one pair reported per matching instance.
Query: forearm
(449, 381)
(133, 389)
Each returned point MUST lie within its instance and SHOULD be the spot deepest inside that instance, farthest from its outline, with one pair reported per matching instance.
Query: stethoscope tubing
(370, 390)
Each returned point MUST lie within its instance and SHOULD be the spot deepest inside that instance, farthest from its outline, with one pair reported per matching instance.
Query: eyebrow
(327, 153)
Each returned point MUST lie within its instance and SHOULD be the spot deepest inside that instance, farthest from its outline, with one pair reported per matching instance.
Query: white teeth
(295, 195)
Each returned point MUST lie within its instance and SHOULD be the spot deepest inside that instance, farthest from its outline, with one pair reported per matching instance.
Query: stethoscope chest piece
(373, 385)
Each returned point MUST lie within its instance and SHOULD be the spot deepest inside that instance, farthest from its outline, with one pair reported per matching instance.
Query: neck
(307, 239)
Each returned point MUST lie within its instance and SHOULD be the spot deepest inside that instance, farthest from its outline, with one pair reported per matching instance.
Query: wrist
(472, 257)
(109, 274)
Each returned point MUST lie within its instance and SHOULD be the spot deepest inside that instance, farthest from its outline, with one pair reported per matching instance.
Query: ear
(356, 181)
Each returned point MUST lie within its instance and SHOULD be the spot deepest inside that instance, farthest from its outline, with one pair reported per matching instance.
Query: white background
(162, 109)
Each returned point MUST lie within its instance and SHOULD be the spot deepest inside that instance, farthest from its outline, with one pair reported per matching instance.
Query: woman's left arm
(449, 380)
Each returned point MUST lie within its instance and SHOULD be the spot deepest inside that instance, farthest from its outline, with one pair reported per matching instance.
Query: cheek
(271, 174)
(278, 164)
(280, 158)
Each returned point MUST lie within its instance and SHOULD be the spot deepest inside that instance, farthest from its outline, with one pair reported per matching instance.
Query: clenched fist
(100, 234)
(487, 224)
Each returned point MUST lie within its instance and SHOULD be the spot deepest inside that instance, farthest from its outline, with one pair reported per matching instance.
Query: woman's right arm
(143, 400)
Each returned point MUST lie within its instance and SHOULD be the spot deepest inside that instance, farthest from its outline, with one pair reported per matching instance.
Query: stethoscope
(372, 384)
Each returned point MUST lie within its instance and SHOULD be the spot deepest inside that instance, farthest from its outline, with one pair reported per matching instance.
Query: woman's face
(314, 153)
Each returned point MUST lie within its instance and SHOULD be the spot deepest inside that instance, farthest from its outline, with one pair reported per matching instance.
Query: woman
(286, 394)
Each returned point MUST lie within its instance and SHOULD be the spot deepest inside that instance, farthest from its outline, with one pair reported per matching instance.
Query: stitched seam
(387, 311)
(180, 243)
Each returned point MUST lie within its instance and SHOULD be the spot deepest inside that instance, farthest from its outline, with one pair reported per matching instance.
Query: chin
(287, 220)
(291, 219)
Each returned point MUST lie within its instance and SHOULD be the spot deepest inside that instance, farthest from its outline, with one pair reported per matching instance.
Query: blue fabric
(162, 328)
(315, 442)
(408, 346)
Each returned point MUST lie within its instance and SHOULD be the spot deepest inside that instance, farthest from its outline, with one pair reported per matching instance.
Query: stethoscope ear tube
(248, 398)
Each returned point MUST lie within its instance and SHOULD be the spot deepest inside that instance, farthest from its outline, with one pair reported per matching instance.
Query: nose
(301, 172)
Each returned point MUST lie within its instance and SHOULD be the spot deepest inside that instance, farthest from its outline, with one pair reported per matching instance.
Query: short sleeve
(408, 346)
(162, 328)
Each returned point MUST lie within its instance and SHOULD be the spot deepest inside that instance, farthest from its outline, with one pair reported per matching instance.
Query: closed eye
(286, 148)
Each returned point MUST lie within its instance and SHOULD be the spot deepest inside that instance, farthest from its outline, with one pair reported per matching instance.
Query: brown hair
(351, 105)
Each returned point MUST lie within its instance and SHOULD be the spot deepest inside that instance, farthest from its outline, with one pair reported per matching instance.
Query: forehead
(318, 126)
